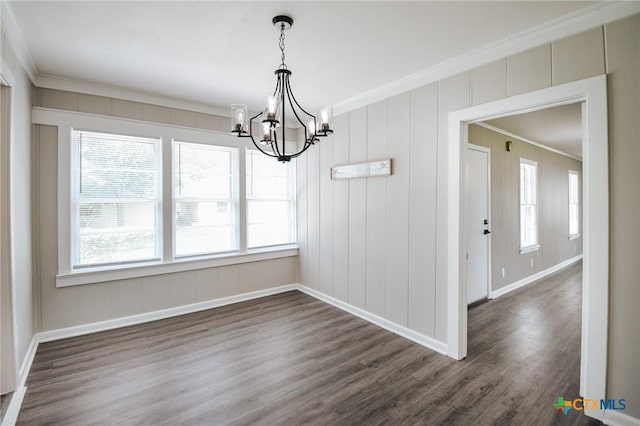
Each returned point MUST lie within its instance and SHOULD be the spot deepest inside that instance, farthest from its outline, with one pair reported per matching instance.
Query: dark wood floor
(291, 359)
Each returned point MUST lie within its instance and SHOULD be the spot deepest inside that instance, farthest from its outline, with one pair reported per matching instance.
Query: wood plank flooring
(290, 359)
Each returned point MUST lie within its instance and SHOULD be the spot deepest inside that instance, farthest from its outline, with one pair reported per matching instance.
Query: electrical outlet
(503, 274)
(532, 262)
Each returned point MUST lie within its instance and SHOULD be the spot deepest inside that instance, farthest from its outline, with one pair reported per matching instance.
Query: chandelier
(271, 121)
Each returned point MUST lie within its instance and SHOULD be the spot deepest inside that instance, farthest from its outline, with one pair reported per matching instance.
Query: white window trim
(576, 235)
(67, 120)
(533, 247)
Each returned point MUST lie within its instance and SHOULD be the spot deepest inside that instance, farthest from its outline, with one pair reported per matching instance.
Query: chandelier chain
(282, 65)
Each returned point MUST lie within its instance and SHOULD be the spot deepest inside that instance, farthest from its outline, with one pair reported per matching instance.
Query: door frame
(7, 243)
(489, 241)
(595, 195)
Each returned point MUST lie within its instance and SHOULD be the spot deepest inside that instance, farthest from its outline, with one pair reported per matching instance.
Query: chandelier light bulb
(266, 133)
(272, 105)
(311, 128)
(325, 116)
(239, 119)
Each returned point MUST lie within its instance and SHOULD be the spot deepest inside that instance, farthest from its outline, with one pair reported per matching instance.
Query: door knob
(486, 231)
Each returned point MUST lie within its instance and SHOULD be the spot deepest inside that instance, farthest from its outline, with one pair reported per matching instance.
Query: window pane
(204, 227)
(202, 171)
(269, 223)
(574, 219)
(266, 178)
(205, 212)
(116, 232)
(528, 209)
(270, 201)
(115, 197)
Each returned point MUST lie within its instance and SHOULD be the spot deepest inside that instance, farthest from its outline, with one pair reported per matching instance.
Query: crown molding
(525, 140)
(13, 33)
(598, 14)
(111, 91)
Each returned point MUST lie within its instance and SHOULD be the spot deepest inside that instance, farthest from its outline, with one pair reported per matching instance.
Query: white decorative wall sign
(370, 169)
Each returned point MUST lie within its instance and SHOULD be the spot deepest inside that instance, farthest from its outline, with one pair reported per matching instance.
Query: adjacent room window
(115, 199)
(204, 199)
(574, 212)
(528, 205)
(270, 200)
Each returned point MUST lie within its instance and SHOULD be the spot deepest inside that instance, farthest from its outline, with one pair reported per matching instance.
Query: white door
(478, 229)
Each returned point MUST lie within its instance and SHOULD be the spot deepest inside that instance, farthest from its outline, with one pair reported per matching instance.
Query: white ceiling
(217, 53)
(559, 127)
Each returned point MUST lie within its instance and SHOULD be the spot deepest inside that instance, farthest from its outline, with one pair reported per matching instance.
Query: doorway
(591, 91)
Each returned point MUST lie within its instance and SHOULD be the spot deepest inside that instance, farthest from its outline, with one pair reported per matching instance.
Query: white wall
(387, 251)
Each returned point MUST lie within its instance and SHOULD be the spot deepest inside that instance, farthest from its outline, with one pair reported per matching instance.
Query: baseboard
(616, 418)
(25, 367)
(405, 332)
(11, 416)
(531, 278)
(64, 333)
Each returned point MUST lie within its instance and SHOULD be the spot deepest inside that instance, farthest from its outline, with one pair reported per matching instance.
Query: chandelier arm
(274, 144)
(289, 95)
(307, 145)
(278, 85)
(283, 89)
(289, 90)
(262, 150)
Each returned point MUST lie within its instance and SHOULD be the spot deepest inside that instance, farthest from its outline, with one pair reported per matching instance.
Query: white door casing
(595, 196)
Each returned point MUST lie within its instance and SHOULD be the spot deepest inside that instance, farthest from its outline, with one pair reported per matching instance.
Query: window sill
(574, 237)
(178, 265)
(530, 249)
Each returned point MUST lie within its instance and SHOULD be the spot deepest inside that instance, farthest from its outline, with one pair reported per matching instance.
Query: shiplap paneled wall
(77, 305)
(387, 236)
(623, 81)
(553, 207)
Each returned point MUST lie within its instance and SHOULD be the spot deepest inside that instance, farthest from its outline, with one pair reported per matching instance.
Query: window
(528, 205)
(115, 199)
(574, 213)
(139, 199)
(270, 201)
(204, 199)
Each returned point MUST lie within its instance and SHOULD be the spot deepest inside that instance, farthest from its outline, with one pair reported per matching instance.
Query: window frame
(573, 236)
(291, 199)
(536, 245)
(66, 121)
